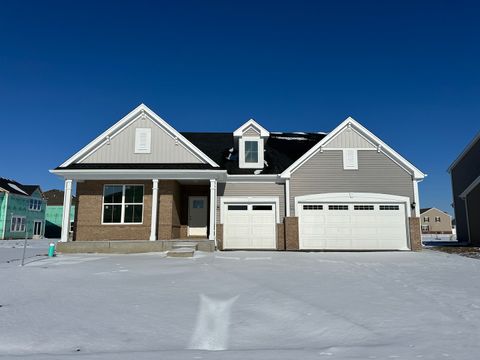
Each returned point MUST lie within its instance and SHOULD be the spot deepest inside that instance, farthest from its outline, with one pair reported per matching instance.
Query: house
(54, 213)
(22, 211)
(465, 177)
(435, 221)
(246, 189)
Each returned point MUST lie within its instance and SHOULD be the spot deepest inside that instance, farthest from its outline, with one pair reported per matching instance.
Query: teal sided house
(54, 213)
(22, 211)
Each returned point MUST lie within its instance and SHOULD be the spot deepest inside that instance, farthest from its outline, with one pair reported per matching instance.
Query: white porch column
(213, 209)
(287, 197)
(67, 202)
(153, 227)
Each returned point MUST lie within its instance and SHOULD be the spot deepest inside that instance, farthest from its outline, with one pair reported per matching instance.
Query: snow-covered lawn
(251, 305)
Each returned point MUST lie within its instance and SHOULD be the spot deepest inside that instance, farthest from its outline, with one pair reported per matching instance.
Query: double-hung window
(35, 205)
(18, 224)
(123, 204)
(251, 151)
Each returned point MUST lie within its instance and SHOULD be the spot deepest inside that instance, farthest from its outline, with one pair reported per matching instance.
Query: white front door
(197, 216)
(249, 226)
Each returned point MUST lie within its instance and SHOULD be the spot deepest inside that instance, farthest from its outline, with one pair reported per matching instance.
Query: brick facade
(291, 233)
(415, 233)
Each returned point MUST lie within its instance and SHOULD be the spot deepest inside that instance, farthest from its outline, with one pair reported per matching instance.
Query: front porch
(166, 211)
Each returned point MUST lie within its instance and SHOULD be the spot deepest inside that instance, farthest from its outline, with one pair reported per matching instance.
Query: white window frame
(438, 219)
(143, 148)
(350, 159)
(426, 219)
(241, 156)
(122, 204)
(35, 205)
(23, 224)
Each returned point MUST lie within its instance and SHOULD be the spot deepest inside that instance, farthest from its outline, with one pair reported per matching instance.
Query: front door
(37, 228)
(197, 216)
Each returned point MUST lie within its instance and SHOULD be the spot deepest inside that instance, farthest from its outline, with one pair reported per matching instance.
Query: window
(389, 207)
(18, 224)
(337, 207)
(426, 219)
(123, 204)
(425, 228)
(350, 159)
(437, 219)
(251, 151)
(363, 207)
(197, 204)
(143, 140)
(262, 207)
(312, 207)
(35, 204)
(237, 207)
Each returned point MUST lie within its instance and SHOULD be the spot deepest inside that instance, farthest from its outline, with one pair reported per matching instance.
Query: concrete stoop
(181, 252)
(134, 246)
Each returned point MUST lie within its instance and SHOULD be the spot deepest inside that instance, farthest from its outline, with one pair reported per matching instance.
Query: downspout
(287, 197)
(5, 216)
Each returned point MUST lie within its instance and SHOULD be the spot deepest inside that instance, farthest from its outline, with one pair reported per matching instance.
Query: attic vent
(143, 140)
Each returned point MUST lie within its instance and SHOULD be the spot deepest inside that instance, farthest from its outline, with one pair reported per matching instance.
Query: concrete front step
(186, 245)
(181, 252)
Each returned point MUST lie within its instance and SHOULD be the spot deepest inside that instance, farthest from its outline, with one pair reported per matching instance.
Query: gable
(117, 144)
(349, 138)
(251, 131)
(122, 147)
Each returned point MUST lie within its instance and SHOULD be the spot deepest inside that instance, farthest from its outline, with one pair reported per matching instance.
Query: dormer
(250, 139)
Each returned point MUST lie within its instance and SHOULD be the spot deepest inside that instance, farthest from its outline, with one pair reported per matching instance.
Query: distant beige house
(435, 221)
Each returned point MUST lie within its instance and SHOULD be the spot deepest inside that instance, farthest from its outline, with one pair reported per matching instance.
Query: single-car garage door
(249, 226)
(367, 225)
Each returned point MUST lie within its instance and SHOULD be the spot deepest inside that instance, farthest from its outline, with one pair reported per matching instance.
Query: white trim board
(470, 188)
(140, 110)
(381, 146)
(251, 123)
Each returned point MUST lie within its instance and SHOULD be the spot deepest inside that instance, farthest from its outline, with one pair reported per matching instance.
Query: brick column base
(280, 237)
(291, 233)
(415, 233)
(219, 234)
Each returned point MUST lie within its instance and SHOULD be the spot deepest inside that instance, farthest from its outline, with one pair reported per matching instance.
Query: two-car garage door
(359, 225)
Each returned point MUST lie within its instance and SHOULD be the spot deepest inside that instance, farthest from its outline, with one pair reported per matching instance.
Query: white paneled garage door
(352, 226)
(249, 226)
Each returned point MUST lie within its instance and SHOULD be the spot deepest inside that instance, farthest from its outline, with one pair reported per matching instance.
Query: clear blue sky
(409, 71)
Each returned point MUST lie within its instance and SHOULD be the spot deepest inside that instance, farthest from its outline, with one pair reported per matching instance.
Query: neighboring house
(54, 213)
(22, 211)
(465, 175)
(435, 221)
(247, 189)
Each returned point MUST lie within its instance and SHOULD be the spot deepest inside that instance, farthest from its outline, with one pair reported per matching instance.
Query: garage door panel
(253, 227)
(353, 226)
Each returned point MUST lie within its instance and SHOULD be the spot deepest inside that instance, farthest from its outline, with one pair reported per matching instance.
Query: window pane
(251, 151)
(133, 213)
(133, 194)
(262, 207)
(198, 204)
(112, 213)
(237, 207)
(113, 194)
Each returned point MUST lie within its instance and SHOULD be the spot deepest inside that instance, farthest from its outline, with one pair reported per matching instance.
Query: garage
(353, 221)
(249, 224)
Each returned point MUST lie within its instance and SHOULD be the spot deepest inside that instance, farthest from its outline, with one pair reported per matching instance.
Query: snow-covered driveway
(251, 305)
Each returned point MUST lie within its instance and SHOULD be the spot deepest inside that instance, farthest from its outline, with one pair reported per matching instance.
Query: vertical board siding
(349, 139)
(463, 174)
(122, 148)
(323, 173)
(252, 189)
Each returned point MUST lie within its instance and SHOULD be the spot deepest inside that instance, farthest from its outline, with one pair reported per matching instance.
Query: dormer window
(251, 151)
(250, 139)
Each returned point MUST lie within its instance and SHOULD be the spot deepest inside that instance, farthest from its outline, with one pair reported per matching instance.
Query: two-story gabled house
(250, 188)
(22, 210)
